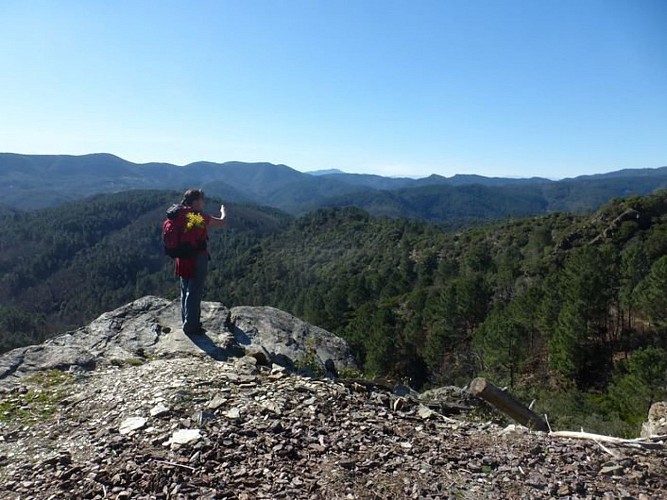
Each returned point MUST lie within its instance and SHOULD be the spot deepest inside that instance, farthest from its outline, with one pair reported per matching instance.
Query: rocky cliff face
(163, 416)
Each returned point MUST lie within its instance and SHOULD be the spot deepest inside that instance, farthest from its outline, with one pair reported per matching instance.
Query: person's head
(193, 198)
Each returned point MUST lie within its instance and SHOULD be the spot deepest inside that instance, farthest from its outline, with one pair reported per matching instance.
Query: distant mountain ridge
(390, 183)
(38, 181)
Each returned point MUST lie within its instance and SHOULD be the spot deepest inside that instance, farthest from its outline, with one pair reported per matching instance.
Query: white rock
(272, 406)
(159, 410)
(194, 459)
(216, 402)
(514, 429)
(185, 436)
(131, 424)
(425, 412)
(234, 413)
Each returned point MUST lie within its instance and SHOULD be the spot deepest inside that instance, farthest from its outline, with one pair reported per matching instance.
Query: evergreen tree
(381, 345)
(639, 382)
(588, 286)
(634, 267)
(502, 344)
(653, 296)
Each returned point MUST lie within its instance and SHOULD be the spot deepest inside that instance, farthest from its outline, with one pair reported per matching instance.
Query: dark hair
(190, 196)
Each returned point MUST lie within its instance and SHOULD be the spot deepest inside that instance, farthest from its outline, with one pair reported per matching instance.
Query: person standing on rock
(191, 224)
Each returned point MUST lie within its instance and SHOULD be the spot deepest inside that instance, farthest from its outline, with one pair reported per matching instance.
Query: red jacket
(194, 226)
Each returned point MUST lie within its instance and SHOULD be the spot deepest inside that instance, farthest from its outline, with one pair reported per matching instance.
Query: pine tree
(381, 342)
(653, 298)
(588, 282)
(502, 344)
(634, 268)
(641, 381)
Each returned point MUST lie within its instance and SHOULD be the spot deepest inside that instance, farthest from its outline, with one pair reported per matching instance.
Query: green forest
(569, 310)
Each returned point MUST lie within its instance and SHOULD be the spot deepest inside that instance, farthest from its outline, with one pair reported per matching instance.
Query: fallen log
(507, 404)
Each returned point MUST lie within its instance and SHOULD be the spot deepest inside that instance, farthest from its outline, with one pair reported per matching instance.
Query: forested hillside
(568, 309)
(452, 206)
(63, 266)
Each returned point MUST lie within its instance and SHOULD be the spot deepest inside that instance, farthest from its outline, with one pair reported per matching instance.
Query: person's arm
(218, 222)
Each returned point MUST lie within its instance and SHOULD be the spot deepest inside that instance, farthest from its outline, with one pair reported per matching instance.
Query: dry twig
(640, 443)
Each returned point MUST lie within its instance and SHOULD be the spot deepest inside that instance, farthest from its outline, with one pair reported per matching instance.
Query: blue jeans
(192, 290)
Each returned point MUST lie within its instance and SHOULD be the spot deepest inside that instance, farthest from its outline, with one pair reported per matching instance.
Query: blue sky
(505, 88)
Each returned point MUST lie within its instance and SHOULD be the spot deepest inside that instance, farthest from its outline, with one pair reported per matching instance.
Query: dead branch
(601, 438)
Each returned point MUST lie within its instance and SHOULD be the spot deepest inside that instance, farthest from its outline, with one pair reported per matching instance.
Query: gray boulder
(656, 425)
(151, 327)
(282, 334)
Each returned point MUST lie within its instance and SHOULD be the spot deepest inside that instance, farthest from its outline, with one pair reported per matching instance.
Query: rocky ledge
(229, 425)
(151, 327)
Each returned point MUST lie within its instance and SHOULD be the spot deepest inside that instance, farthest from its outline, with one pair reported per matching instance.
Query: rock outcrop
(283, 335)
(656, 424)
(150, 327)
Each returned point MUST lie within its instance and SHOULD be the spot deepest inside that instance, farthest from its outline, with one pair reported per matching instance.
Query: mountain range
(38, 181)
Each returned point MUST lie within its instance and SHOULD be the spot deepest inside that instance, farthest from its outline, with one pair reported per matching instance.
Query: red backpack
(172, 233)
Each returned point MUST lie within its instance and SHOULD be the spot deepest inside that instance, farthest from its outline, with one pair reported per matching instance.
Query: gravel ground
(199, 428)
